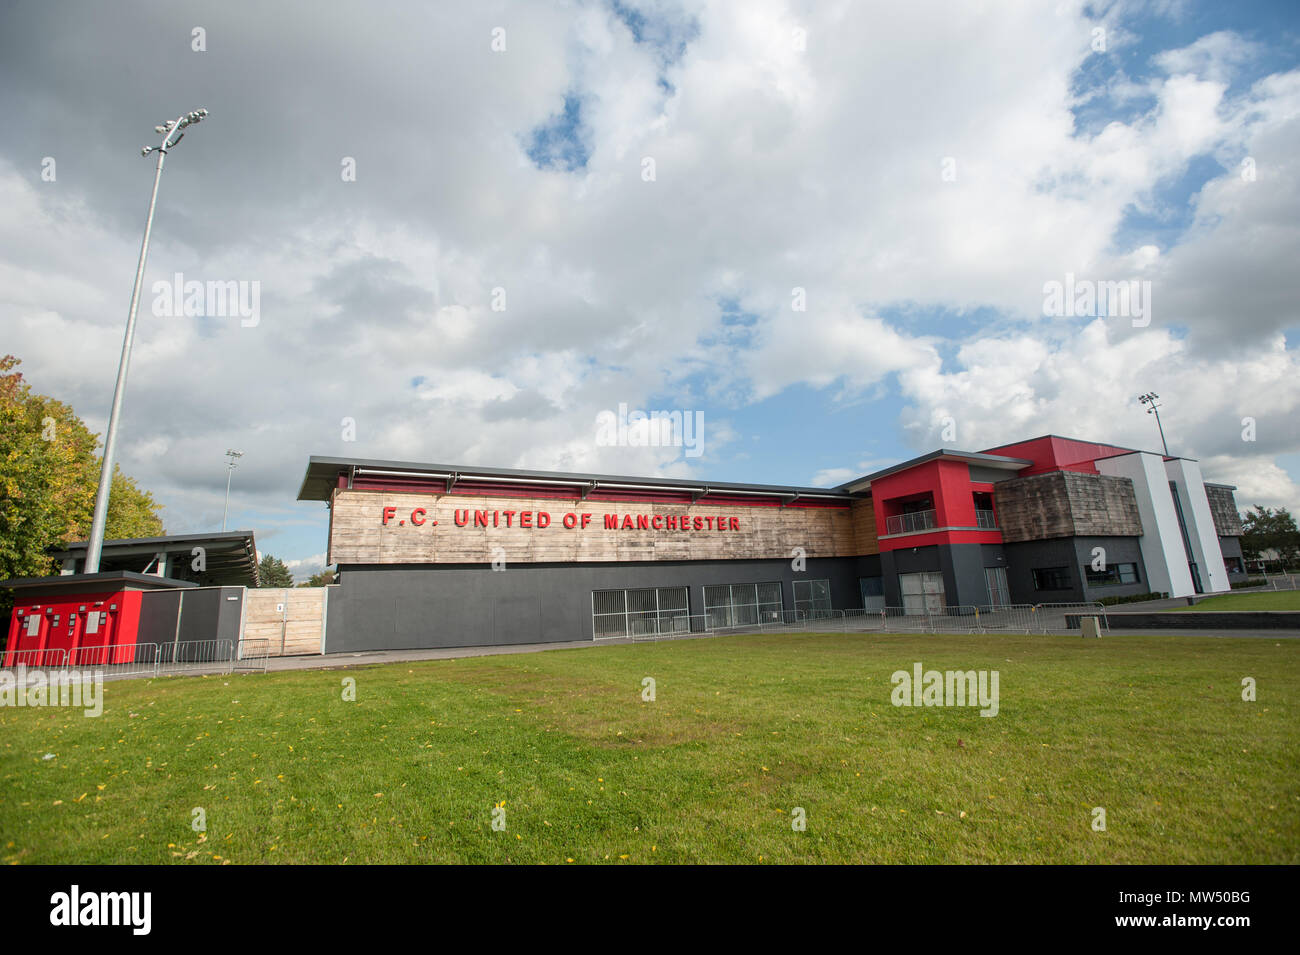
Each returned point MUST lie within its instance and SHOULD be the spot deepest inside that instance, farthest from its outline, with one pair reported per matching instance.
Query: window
(738, 605)
(1112, 574)
(630, 613)
(1052, 578)
(812, 595)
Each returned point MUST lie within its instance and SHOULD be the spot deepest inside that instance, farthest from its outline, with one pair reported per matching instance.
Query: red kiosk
(75, 612)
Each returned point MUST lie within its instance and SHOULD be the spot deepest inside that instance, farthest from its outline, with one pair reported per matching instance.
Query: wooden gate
(291, 620)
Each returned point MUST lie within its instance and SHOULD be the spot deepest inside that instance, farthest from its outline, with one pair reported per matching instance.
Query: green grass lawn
(743, 731)
(1264, 600)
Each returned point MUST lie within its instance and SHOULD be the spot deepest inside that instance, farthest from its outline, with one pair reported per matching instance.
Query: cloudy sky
(828, 227)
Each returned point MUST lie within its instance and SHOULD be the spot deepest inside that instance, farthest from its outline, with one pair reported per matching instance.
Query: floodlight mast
(171, 135)
(230, 469)
(1150, 399)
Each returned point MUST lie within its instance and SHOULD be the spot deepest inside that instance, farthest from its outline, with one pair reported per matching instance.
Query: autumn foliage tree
(49, 472)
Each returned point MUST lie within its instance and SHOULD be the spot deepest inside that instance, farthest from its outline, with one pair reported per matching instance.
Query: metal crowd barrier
(1010, 618)
(251, 656)
(150, 659)
(113, 660)
(34, 659)
(193, 656)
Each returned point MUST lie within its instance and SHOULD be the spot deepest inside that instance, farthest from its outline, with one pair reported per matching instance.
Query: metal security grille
(739, 605)
(995, 579)
(812, 595)
(634, 613)
(922, 593)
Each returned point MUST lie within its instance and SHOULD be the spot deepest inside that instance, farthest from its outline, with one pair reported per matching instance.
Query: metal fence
(117, 660)
(965, 618)
(150, 659)
(1282, 582)
(34, 659)
(196, 656)
(1008, 618)
(251, 656)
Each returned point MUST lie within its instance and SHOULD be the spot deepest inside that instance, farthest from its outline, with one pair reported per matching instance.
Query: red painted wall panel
(1050, 453)
(949, 486)
(119, 630)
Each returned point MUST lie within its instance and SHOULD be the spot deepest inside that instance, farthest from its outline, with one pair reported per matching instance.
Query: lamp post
(1149, 399)
(171, 135)
(230, 469)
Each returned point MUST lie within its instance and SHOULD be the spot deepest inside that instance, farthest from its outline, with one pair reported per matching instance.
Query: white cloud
(776, 168)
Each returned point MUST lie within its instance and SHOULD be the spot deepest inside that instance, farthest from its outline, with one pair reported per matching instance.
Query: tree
(49, 472)
(271, 572)
(1270, 533)
(323, 579)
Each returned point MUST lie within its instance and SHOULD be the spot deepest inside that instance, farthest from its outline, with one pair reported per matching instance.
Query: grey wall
(962, 566)
(158, 616)
(207, 613)
(413, 607)
(211, 613)
(1023, 558)
(1119, 550)
(1073, 553)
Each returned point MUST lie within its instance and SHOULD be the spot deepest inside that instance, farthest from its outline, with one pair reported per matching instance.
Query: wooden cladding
(290, 620)
(1223, 509)
(864, 528)
(384, 527)
(1066, 504)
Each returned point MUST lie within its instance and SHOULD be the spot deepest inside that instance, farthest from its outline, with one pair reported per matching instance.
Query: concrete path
(342, 660)
(337, 660)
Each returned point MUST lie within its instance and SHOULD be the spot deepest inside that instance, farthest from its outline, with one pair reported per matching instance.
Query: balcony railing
(924, 521)
(909, 523)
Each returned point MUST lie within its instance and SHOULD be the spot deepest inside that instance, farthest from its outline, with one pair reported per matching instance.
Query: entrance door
(922, 593)
(873, 593)
(996, 580)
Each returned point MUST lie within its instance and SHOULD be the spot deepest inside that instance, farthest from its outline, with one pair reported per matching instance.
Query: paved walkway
(336, 660)
(343, 660)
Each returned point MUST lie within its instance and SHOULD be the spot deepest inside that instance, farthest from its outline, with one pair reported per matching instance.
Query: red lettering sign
(537, 520)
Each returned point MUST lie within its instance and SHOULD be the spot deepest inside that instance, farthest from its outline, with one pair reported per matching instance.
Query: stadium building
(444, 555)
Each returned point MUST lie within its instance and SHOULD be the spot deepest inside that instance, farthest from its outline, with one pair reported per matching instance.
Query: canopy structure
(228, 558)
